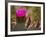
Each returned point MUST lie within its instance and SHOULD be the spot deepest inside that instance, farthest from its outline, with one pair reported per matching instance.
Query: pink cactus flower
(21, 12)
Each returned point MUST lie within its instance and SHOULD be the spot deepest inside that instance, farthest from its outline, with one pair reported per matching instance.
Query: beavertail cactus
(21, 12)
